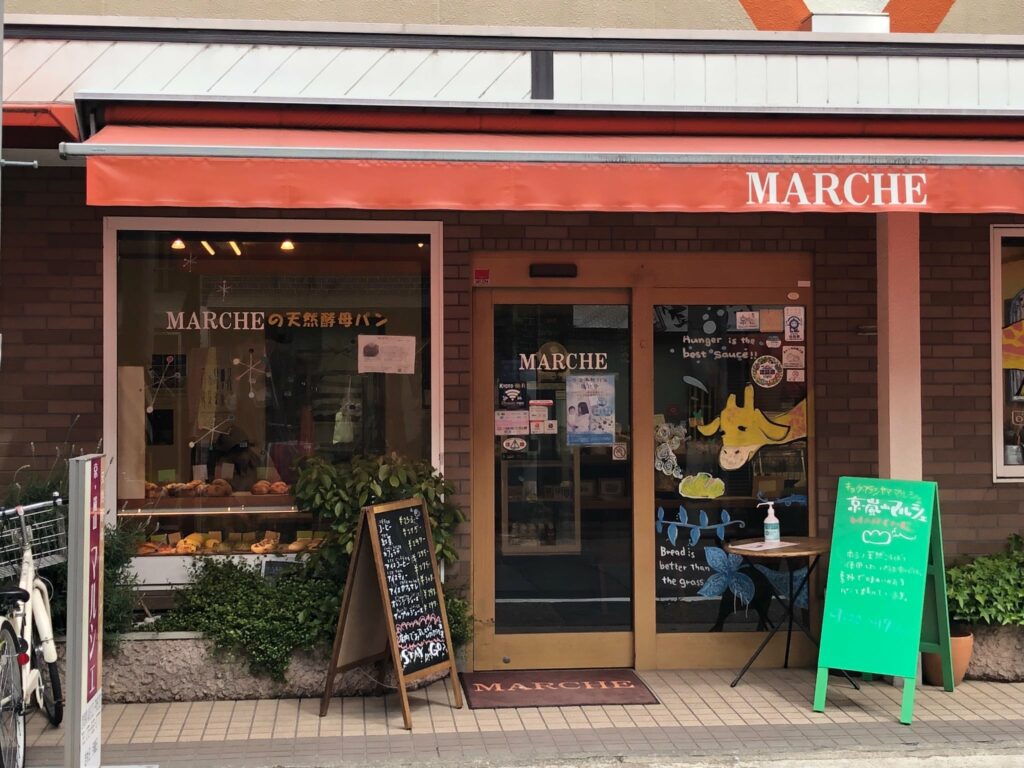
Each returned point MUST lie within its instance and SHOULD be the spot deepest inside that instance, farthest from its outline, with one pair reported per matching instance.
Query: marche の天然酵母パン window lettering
(239, 354)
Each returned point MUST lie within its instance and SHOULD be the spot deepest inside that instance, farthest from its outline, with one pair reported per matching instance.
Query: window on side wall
(1008, 353)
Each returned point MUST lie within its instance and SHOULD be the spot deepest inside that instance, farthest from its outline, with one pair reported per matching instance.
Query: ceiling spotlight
(208, 247)
(235, 248)
(178, 244)
(287, 245)
(420, 245)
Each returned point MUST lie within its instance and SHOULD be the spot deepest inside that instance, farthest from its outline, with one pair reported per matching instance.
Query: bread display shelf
(239, 503)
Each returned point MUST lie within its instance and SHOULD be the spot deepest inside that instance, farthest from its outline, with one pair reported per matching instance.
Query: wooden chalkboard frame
(934, 630)
(367, 535)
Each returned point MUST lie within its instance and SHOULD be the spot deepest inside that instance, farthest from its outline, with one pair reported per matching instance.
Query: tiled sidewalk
(699, 714)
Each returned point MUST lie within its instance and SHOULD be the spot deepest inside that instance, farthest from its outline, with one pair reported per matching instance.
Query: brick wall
(977, 514)
(50, 318)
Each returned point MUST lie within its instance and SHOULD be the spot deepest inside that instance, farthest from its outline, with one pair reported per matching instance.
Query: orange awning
(285, 168)
(41, 116)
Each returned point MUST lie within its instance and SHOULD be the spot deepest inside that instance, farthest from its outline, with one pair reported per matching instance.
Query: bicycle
(39, 539)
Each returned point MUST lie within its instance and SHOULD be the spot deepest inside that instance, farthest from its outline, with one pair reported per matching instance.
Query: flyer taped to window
(590, 409)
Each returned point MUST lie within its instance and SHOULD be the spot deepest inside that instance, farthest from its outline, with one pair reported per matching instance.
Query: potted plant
(986, 608)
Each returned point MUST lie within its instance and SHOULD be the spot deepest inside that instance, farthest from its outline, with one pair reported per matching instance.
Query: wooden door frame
(644, 279)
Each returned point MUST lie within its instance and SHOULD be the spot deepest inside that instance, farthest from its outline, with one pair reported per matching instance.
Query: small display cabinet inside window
(540, 507)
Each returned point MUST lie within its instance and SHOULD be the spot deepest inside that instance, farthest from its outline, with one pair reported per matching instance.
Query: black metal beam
(542, 74)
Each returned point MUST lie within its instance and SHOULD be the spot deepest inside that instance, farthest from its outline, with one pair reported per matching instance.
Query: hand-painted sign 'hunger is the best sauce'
(412, 588)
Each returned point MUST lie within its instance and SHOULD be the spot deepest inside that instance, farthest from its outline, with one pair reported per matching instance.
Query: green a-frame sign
(885, 600)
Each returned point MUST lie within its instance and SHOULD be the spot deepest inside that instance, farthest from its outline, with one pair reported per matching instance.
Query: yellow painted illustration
(701, 486)
(1013, 346)
(746, 429)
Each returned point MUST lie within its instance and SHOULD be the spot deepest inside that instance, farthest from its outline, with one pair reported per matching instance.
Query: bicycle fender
(42, 624)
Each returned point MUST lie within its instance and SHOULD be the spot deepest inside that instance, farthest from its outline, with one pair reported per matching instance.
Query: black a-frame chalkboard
(393, 604)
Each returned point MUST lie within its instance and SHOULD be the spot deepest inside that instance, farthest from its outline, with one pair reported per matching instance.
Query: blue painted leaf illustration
(715, 586)
(726, 517)
(780, 583)
(743, 587)
(720, 561)
(661, 513)
(703, 519)
(720, 530)
(673, 533)
(683, 516)
(694, 536)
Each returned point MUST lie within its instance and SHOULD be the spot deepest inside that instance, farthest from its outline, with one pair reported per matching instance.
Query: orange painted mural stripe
(917, 15)
(777, 15)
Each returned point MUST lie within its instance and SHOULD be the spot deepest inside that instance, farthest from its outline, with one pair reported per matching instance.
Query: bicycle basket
(48, 535)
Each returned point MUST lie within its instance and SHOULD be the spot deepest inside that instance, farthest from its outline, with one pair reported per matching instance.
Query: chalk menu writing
(681, 570)
(412, 588)
(874, 600)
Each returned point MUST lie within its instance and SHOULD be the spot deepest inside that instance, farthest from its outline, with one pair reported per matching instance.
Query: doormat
(554, 688)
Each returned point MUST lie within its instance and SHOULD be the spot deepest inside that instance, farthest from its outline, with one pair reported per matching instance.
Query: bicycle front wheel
(12, 709)
(49, 693)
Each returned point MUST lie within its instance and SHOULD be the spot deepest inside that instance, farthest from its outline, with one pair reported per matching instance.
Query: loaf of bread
(261, 487)
(279, 487)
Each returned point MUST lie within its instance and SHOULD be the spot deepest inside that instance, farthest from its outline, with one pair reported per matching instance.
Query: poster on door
(590, 409)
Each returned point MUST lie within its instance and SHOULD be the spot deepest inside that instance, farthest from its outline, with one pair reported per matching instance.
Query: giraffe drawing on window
(746, 429)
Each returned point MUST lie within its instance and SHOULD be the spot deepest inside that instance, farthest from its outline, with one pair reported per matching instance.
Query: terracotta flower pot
(961, 647)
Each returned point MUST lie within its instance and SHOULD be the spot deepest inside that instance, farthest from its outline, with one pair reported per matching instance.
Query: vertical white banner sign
(85, 613)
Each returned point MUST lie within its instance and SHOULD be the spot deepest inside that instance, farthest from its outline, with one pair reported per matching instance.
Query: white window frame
(1001, 471)
(112, 225)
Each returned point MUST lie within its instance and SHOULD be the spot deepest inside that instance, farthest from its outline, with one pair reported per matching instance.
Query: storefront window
(238, 354)
(1008, 353)
(730, 398)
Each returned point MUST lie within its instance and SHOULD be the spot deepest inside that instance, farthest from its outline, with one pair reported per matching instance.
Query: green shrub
(460, 623)
(989, 589)
(336, 493)
(241, 612)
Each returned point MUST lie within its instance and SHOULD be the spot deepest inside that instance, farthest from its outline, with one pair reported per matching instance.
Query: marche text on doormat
(554, 688)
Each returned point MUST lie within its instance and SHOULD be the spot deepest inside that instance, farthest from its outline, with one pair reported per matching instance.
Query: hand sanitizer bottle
(771, 522)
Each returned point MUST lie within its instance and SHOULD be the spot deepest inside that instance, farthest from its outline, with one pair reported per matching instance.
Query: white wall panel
(343, 72)
(23, 60)
(58, 71)
(659, 78)
(903, 81)
(751, 80)
(963, 82)
(690, 79)
(432, 75)
(479, 74)
(108, 70)
(1015, 87)
(842, 81)
(595, 78)
(721, 79)
(252, 70)
(993, 83)
(628, 78)
(199, 75)
(872, 81)
(159, 68)
(297, 71)
(568, 76)
(386, 74)
(513, 84)
(781, 85)
(811, 81)
(933, 82)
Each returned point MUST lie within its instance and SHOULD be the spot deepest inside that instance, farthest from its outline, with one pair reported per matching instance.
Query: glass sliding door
(563, 503)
